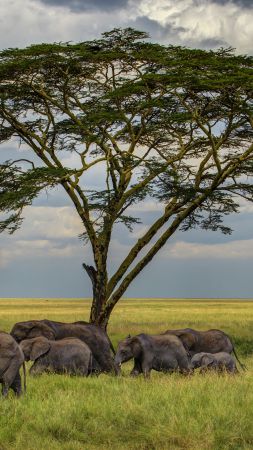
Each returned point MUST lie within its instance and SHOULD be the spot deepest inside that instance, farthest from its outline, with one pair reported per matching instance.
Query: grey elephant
(91, 334)
(162, 353)
(219, 362)
(210, 341)
(69, 355)
(11, 359)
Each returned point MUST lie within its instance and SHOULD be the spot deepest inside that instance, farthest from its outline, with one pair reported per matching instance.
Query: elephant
(68, 355)
(11, 359)
(91, 334)
(210, 341)
(162, 353)
(221, 361)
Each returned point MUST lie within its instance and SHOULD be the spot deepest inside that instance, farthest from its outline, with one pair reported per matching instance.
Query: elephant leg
(82, 371)
(16, 385)
(146, 367)
(136, 369)
(205, 369)
(5, 389)
(37, 369)
(220, 367)
(231, 368)
(185, 371)
(105, 362)
(10, 375)
(146, 372)
(212, 366)
(94, 367)
(184, 368)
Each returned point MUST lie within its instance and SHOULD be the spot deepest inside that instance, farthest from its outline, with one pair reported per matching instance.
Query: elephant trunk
(117, 364)
(117, 369)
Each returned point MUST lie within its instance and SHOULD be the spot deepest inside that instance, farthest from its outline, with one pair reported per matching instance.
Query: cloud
(46, 232)
(193, 23)
(147, 206)
(242, 249)
(87, 5)
(246, 207)
(243, 3)
(22, 250)
(42, 222)
(25, 22)
(33, 249)
(200, 23)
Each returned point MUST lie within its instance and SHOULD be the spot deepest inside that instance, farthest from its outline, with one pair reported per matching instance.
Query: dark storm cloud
(243, 3)
(156, 31)
(212, 43)
(169, 33)
(86, 5)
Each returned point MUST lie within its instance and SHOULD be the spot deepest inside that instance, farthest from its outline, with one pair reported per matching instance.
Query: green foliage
(18, 189)
(110, 91)
(158, 121)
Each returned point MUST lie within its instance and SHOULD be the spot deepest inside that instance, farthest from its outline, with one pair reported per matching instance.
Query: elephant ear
(136, 348)
(21, 330)
(40, 329)
(188, 340)
(39, 348)
(207, 360)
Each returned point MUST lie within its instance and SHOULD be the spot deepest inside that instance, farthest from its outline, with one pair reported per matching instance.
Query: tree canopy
(166, 122)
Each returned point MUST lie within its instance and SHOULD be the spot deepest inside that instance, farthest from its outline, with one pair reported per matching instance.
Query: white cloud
(23, 250)
(45, 248)
(195, 21)
(246, 207)
(23, 22)
(147, 206)
(46, 232)
(188, 22)
(50, 223)
(241, 249)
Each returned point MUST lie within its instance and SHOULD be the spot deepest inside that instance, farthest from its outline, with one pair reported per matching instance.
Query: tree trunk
(97, 306)
(103, 322)
(99, 285)
(99, 313)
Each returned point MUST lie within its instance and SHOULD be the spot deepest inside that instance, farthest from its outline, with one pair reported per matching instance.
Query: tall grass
(166, 412)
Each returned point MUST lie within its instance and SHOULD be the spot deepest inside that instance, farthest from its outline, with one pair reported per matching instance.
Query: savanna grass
(167, 412)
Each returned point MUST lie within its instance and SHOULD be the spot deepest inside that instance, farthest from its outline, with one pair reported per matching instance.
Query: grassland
(167, 412)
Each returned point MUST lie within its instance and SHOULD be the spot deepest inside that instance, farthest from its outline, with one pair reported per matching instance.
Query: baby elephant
(11, 359)
(69, 355)
(221, 361)
(163, 353)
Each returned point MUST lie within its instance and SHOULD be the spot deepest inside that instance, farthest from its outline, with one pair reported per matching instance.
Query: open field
(167, 412)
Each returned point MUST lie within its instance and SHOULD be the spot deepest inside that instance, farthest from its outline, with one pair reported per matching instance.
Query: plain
(166, 412)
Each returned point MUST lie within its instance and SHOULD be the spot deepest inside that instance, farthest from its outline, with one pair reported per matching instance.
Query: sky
(43, 259)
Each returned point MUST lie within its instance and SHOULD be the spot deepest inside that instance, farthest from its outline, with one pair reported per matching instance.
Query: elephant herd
(80, 348)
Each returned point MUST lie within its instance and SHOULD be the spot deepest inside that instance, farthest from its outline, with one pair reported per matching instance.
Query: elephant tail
(24, 373)
(242, 365)
(233, 351)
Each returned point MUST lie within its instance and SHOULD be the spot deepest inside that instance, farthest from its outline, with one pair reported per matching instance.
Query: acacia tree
(165, 122)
